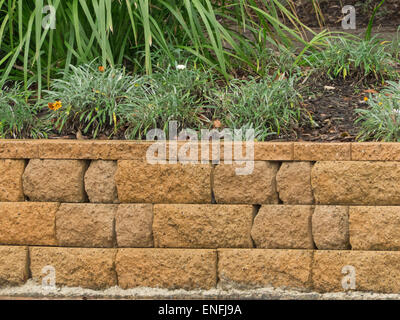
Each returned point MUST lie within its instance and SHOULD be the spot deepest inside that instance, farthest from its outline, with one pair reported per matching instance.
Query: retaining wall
(102, 216)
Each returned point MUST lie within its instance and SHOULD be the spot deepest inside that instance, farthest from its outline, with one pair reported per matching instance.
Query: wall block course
(75, 267)
(259, 187)
(246, 268)
(374, 271)
(310, 151)
(99, 182)
(356, 183)
(283, 227)
(167, 268)
(133, 225)
(294, 183)
(85, 225)
(203, 226)
(13, 266)
(11, 180)
(330, 227)
(375, 228)
(141, 182)
(28, 223)
(55, 180)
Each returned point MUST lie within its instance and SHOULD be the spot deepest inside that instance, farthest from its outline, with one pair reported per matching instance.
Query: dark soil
(333, 110)
(387, 16)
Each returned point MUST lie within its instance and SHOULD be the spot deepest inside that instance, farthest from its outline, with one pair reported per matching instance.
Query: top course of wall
(136, 150)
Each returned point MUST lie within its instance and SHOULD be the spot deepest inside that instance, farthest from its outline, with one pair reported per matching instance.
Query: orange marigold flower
(101, 69)
(365, 99)
(55, 106)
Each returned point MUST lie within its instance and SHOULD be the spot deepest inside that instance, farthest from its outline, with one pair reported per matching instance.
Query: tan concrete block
(203, 226)
(283, 227)
(167, 268)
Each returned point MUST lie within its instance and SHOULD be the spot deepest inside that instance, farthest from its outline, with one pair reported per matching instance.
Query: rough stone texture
(133, 225)
(19, 149)
(330, 227)
(311, 151)
(28, 223)
(85, 225)
(99, 182)
(203, 226)
(375, 151)
(140, 182)
(375, 271)
(356, 182)
(263, 151)
(375, 228)
(167, 268)
(13, 266)
(259, 187)
(75, 267)
(55, 180)
(283, 227)
(11, 180)
(244, 268)
(294, 183)
(93, 150)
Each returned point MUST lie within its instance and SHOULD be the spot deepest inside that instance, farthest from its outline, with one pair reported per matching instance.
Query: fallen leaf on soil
(329, 88)
(370, 91)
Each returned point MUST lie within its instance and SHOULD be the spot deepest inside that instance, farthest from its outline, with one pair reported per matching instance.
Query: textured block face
(55, 180)
(203, 226)
(310, 151)
(241, 268)
(294, 183)
(133, 225)
(330, 227)
(75, 267)
(283, 227)
(11, 180)
(375, 228)
(256, 188)
(99, 182)
(167, 268)
(13, 266)
(85, 225)
(140, 182)
(356, 182)
(371, 271)
(27, 223)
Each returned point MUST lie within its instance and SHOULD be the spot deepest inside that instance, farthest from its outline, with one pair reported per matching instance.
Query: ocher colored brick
(311, 151)
(283, 227)
(13, 266)
(11, 180)
(85, 225)
(28, 223)
(373, 271)
(167, 268)
(141, 182)
(246, 268)
(356, 182)
(258, 187)
(203, 226)
(375, 228)
(19, 149)
(294, 183)
(99, 182)
(55, 180)
(133, 225)
(75, 267)
(382, 151)
(330, 227)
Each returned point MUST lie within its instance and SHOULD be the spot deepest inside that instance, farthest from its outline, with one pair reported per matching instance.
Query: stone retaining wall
(102, 216)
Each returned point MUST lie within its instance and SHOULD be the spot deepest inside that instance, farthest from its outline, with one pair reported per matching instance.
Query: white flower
(180, 67)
